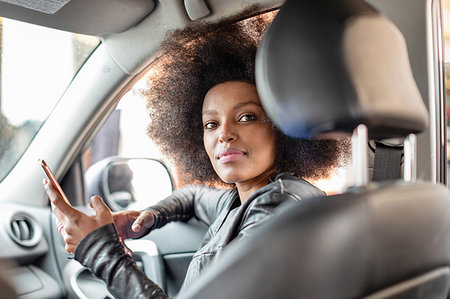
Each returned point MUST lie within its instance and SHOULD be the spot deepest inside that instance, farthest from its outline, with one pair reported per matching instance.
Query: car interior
(373, 70)
(381, 239)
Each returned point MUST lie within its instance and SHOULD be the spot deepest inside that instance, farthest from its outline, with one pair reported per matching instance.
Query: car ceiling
(81, 16)
(131, 30)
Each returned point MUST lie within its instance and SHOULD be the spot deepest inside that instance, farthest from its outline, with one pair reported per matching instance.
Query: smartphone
(53, 180)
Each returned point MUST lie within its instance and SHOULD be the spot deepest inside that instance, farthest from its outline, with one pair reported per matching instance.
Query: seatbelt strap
(387, 163)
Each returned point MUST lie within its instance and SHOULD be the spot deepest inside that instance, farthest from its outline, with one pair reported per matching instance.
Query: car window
(124, 132)
(122, 149)
(36, 66)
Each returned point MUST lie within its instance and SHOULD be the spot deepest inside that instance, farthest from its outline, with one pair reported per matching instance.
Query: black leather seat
(387, 242)
(332, 66)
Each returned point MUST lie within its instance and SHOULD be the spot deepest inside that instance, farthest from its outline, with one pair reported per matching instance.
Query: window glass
(118, 161)
(124, 132)
(36, 66)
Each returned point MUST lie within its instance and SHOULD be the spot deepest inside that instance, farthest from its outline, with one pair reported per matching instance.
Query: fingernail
(136, 227)
(44, 181)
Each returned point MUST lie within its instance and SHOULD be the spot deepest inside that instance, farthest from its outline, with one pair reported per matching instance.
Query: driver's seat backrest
(328, 66)
(390, 242)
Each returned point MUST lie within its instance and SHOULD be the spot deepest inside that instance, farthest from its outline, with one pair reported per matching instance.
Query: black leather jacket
(228, 220)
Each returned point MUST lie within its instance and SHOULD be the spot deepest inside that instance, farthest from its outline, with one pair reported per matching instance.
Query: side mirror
(129, 183)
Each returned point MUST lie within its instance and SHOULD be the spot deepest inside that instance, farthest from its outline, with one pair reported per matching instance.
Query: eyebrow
(237, 106)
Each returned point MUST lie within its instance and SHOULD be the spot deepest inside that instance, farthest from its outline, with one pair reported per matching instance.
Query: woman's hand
(74, 225)
(133, 224)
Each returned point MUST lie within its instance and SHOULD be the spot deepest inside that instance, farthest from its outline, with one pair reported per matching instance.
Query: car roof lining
(133, 53)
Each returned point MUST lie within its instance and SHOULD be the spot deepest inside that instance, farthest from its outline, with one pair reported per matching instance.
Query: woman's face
(238, 137)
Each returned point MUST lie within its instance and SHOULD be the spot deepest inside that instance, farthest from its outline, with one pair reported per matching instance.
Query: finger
(116, 216)
(98, 205)
(60, 216)
(64, 235)
(56, 200)
(70, 248)
(145, 219)
(59, 227)
(121, 221)
(57, 222)
(70, 238)
(125, 217)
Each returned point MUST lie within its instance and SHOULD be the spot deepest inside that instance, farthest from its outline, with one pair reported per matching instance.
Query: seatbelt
(387, 163)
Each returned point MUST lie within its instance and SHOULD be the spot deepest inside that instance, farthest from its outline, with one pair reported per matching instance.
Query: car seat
(339, 66)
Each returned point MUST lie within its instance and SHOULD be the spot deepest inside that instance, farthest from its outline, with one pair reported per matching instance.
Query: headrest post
(360, 155)
(410, 158)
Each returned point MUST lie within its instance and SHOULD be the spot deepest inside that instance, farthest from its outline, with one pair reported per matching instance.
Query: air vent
(24, 230)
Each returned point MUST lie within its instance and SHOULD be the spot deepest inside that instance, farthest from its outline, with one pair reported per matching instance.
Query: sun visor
(79, 16)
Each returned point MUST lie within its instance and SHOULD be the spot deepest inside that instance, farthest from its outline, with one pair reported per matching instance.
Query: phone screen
(53, 180)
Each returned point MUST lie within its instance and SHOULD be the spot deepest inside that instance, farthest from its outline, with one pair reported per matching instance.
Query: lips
(230, 155)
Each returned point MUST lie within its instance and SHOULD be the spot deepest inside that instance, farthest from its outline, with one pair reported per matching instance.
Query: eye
(247, 117)
(209, 125)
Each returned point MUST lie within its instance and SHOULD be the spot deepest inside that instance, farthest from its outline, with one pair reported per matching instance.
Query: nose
(227, 134)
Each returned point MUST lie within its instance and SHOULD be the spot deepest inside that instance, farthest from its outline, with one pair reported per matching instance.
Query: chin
(229, 178)
(227, 181)
(232, 175)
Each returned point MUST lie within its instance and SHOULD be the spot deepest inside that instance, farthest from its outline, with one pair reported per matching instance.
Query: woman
(208, 119)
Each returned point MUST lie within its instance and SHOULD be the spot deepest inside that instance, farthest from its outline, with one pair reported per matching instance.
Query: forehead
(230, 94)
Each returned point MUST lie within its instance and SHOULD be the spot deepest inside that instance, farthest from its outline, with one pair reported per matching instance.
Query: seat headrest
(330, 65)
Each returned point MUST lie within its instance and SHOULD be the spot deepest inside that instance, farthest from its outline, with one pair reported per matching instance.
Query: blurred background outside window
(36, 66)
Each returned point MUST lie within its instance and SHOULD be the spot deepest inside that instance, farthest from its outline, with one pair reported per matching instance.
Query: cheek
(208, 143)
(267, 141)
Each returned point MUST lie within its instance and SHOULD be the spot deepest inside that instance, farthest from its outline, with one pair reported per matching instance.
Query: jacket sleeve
(103, 254)
(191, 201)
